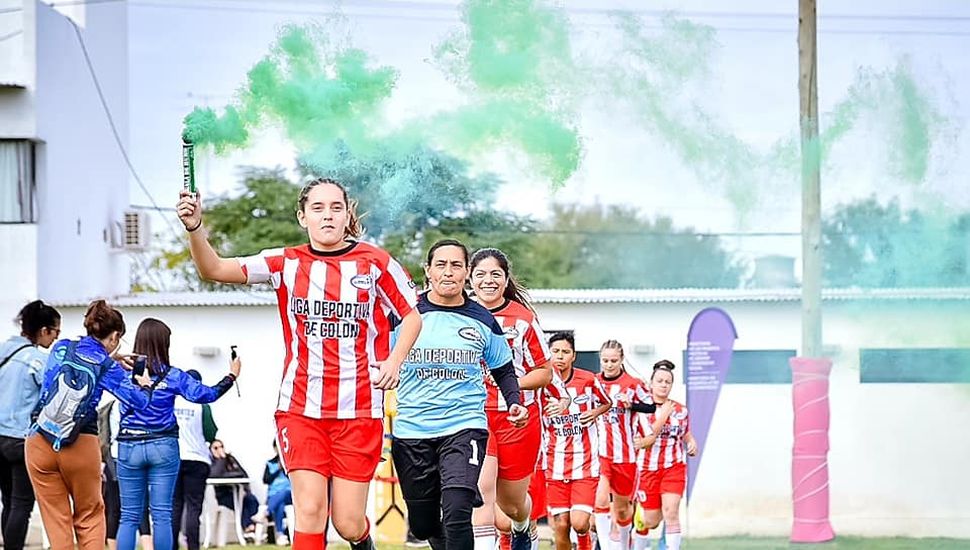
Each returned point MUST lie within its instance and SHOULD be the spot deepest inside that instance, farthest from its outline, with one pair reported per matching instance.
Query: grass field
(746, 543)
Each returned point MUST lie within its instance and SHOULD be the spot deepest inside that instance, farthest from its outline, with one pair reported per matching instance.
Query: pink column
(810, 470)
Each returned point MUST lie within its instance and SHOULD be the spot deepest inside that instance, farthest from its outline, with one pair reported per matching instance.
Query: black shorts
(426, 466)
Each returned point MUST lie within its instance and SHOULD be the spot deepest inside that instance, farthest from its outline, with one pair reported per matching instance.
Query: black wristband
(197, 226)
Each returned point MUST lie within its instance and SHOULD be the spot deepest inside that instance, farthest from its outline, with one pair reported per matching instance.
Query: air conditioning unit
(133, 232)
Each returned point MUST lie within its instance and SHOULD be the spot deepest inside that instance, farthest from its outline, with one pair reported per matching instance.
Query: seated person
(225, 465)
(279, 494)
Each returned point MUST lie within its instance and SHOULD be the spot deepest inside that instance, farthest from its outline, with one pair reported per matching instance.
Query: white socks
(603, 526)
(641, 542)
(484, 537)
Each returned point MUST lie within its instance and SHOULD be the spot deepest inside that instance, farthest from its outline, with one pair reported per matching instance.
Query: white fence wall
(898, 458)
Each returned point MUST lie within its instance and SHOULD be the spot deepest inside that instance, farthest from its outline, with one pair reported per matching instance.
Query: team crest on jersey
(580, 399)
(363, 282)
(470, 334)
(511, 332)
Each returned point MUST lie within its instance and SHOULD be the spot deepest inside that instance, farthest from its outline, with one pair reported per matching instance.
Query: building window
(17, 183)
(758, 366)
(914, 366)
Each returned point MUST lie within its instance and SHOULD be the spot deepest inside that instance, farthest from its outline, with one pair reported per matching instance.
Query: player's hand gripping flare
(189, 209)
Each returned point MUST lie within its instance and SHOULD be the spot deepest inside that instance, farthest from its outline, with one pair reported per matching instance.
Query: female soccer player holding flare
(334, 295)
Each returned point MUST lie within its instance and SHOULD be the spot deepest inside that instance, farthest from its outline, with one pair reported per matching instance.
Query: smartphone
(141, 363)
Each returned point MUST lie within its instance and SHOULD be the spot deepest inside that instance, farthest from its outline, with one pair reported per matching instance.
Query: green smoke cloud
(661, 75)
(512, 58)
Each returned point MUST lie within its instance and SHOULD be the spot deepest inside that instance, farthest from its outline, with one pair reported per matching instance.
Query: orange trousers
(60, 479)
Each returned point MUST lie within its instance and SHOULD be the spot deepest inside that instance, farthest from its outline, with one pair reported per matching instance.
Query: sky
(184, 54)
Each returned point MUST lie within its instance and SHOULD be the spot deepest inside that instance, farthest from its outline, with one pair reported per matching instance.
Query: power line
(114, 129)
(452, 16)
(199, 6)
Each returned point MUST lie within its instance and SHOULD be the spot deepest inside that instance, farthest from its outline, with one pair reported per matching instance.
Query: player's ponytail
(101, 320)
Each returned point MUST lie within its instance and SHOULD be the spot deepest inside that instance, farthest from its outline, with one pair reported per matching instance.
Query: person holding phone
(148, 450)
(67, 481)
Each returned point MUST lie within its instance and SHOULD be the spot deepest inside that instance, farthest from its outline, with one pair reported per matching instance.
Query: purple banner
(710, 343)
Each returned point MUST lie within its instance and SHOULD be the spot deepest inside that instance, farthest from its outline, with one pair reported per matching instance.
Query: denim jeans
(150, 466)
(276, 504)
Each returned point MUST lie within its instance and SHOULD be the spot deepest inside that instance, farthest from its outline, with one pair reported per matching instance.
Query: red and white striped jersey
(334, 309)
(617, 426)
(571, 451)
(554, 391)
(668, 448)
(529, 350)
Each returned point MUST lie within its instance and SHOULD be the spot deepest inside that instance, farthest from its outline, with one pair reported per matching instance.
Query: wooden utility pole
(811, 193)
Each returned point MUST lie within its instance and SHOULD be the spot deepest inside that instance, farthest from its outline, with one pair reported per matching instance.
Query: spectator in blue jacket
(148, 449)
(21, 377)
(279, 493)
(67, 480)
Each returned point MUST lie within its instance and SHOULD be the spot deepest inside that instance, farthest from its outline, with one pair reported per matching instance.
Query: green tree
(612, 246)
(578, 247)
(869, 244)
(406, 203)
(411, 200)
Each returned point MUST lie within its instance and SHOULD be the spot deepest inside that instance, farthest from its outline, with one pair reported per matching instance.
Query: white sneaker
(282, 540)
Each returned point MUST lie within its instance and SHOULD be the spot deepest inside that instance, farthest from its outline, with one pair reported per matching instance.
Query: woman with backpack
(64, 452)
(148, 445)
(21, 377)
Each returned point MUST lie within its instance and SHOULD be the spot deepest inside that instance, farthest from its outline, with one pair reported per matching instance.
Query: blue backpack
(66, 400)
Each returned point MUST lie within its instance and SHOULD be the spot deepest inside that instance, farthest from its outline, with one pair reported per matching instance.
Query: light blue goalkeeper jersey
(442, 390)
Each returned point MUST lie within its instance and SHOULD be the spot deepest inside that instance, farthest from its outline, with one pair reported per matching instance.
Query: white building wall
(18, 267)
(897, 460)
(18, 67)
(82, 179)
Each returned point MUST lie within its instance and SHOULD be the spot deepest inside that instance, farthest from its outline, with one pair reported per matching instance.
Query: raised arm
(118, 382)
(207, 260)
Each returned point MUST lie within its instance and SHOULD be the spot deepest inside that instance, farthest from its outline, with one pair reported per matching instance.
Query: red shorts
(517, 449)
(577, 494)
(537, 492)
(665, 480)
(349, 449)
(620, 476)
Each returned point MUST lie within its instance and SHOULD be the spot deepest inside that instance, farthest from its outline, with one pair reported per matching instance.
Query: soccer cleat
(366, 544)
